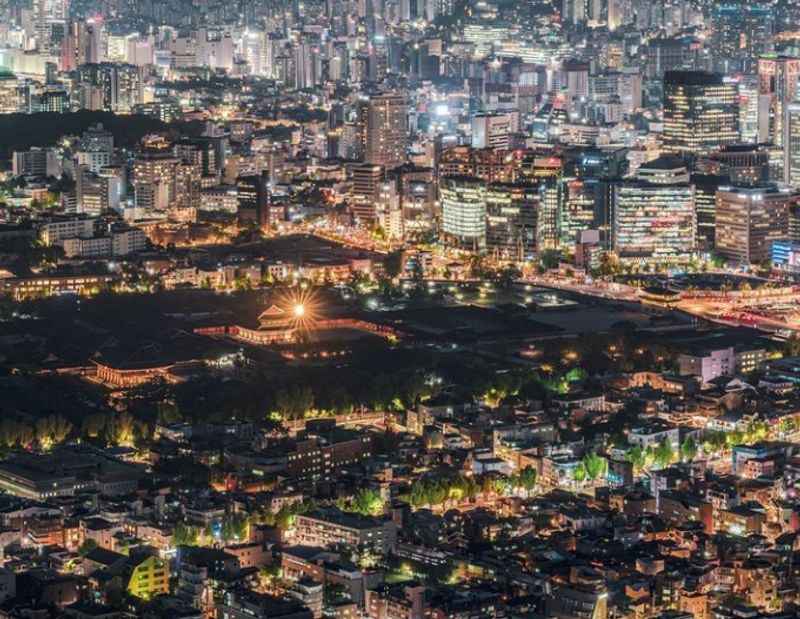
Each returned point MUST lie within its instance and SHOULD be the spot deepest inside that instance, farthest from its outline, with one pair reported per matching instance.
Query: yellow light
(299, 310)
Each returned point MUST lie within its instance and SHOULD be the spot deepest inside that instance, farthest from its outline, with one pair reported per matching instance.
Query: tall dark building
(705, 204)
(742, 32)
(253, 192)
(701, 112)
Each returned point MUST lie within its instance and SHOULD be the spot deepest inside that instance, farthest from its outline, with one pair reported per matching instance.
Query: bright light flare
(302, 306)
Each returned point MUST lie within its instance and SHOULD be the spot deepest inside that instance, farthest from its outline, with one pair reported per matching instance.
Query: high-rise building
(493, 130)
(577, 202)
(511, 220)
(384, 126)
(110, 87)
(10, 97)
(748, 220)
(96, 138)
(778, 78)
(112, 180)
(463, 201)
(254, 199)
(705, 201)
(745, 164)
(665, 170)
(153, 176)
(36, 161)
(742, 32)
(791, 144)
(367, 181)
(654, 222)
(700, 112)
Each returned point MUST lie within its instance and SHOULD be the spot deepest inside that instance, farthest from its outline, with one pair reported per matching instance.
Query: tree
(549, 259)
(579, 472)
(268, 574)
(609, 264)
(87, 546)
(527, 478)
(168, 412)
(295, 401)
(235, 527)
(477, 266)
(393, 263)
(689, 449)
(120, 429)
(714, 442)
(664, 453)
(637, 457)
(595, 465)
(52, 430)
(507, 276)
(368, 502)
(185, 535)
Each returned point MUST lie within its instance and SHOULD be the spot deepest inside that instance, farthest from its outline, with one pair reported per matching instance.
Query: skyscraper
(748, 220)
(153, 177)
(778, 78)
(464, 212)
(253, 194)
(791, 144)
(384, 126)
(700, 111)
(511, 220)
(742, 32)
(654, 222)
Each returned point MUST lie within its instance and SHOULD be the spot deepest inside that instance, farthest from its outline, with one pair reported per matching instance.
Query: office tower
(511, 220)
(577, 206)
(463, 201)
(748, 89)
(748, 220)
(10, 99)
(188, 182)
(745, 164)
(665, 170)
(95, 149)
(791, 144)
(384, 126)
(672, 54)
(153, 177)
(700, 112)
(307, 65)
(214, 49)
(577, 79)
(112, 181)
(653, 222)
(493, 130)
(777, 85)
(83, 44)
(742, 32)
(367, 180)
(51, 99)
(389, 214)
(110, 87)
(705, 203)
(254, 49)
(417, 188)
(254, 199)
(89, 191)
(36, 161)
